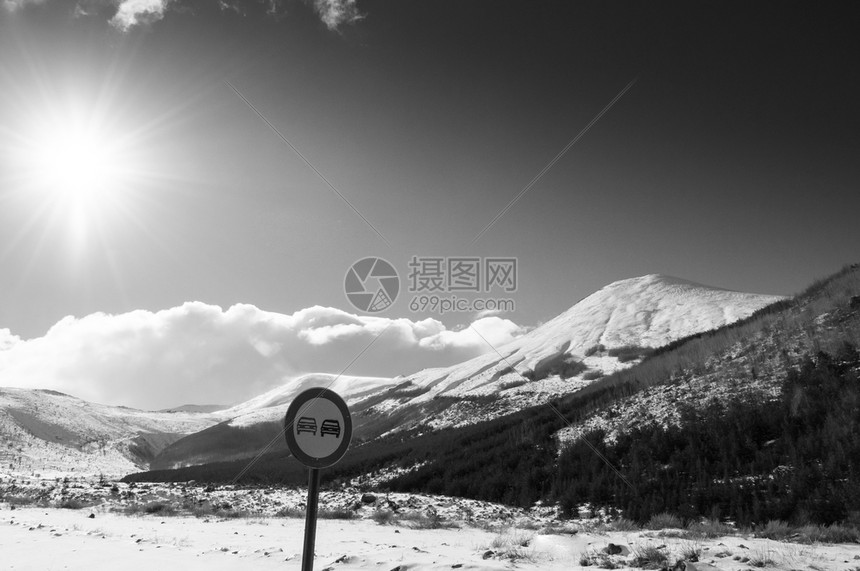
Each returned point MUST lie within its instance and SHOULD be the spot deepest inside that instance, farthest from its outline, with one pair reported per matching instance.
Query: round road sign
(318, 428)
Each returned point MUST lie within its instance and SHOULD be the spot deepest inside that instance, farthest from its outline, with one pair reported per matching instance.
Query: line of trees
(795, 458)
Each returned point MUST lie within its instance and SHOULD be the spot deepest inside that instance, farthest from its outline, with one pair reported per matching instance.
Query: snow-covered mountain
(648, 311)
(51, 433)
(47, 432)
(557, 358)
(602, 333)
(246, 428)
(272, 405)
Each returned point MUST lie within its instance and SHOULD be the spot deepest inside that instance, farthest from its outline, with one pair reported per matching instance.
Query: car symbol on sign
(330, 426)
(307, 424)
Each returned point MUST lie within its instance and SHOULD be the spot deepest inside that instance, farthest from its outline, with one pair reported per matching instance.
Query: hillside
(49, 433)
(244, 429)
(750, 371)
(515, 458)
(747, 360)
(605, 332)
(610, 330)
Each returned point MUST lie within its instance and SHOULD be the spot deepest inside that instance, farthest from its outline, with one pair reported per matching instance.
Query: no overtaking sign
(318, 428)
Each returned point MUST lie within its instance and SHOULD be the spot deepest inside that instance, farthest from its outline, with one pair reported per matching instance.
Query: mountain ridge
(549, 361)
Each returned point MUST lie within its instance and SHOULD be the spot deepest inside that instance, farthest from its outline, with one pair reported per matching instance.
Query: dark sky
(732, 160)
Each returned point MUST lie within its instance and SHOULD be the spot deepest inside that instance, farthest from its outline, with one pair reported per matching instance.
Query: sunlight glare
(75, 166)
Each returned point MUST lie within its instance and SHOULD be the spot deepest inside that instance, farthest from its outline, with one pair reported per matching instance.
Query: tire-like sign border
(293, 412)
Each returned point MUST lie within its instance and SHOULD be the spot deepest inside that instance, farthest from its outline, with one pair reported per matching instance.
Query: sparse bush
(599, 348)
(528, 524)
(418, 520)
(834, 533)
(290, 512)
(130, 509)
(19, 500)
(664, 521)
(72, 504)
(592, 375)
(562, 365)
(570, 368)
(336, 513)
(777, 530)
(383, 517)
(160, 508)
(556, 529)
(627, 353)
(649, 557)
(513, 384)
(513, 545)
(623, 524)
(235, 514)
(598, 559)
(691, 551)
(674, 533)
(200, 510)
(709, 529)
(761, 558)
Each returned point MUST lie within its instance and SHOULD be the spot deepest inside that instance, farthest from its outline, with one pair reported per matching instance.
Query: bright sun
(76, 166)
(76, 171)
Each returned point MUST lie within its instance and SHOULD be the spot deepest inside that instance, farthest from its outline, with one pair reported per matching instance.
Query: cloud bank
(200, 353)
(128, 14)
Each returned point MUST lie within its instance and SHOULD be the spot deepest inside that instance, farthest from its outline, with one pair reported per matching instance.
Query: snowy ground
(467, 535)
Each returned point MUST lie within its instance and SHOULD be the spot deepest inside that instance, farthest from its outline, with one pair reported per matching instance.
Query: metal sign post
(311, 519)
(318, 428)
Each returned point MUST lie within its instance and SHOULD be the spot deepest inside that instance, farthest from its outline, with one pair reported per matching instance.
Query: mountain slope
(760, 441)
(44, 431)
(248, 427)
(648, 311)
(601, 334)
(742, 367)
(748, 360)
(557, 358)
(48, 432)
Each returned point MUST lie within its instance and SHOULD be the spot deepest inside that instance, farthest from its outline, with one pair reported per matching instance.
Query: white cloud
(132, 13)
(199, 353)
(488, 313)
(232, 6)
(335, 13)
(492, 332)
(7, 340)
(12, 5)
